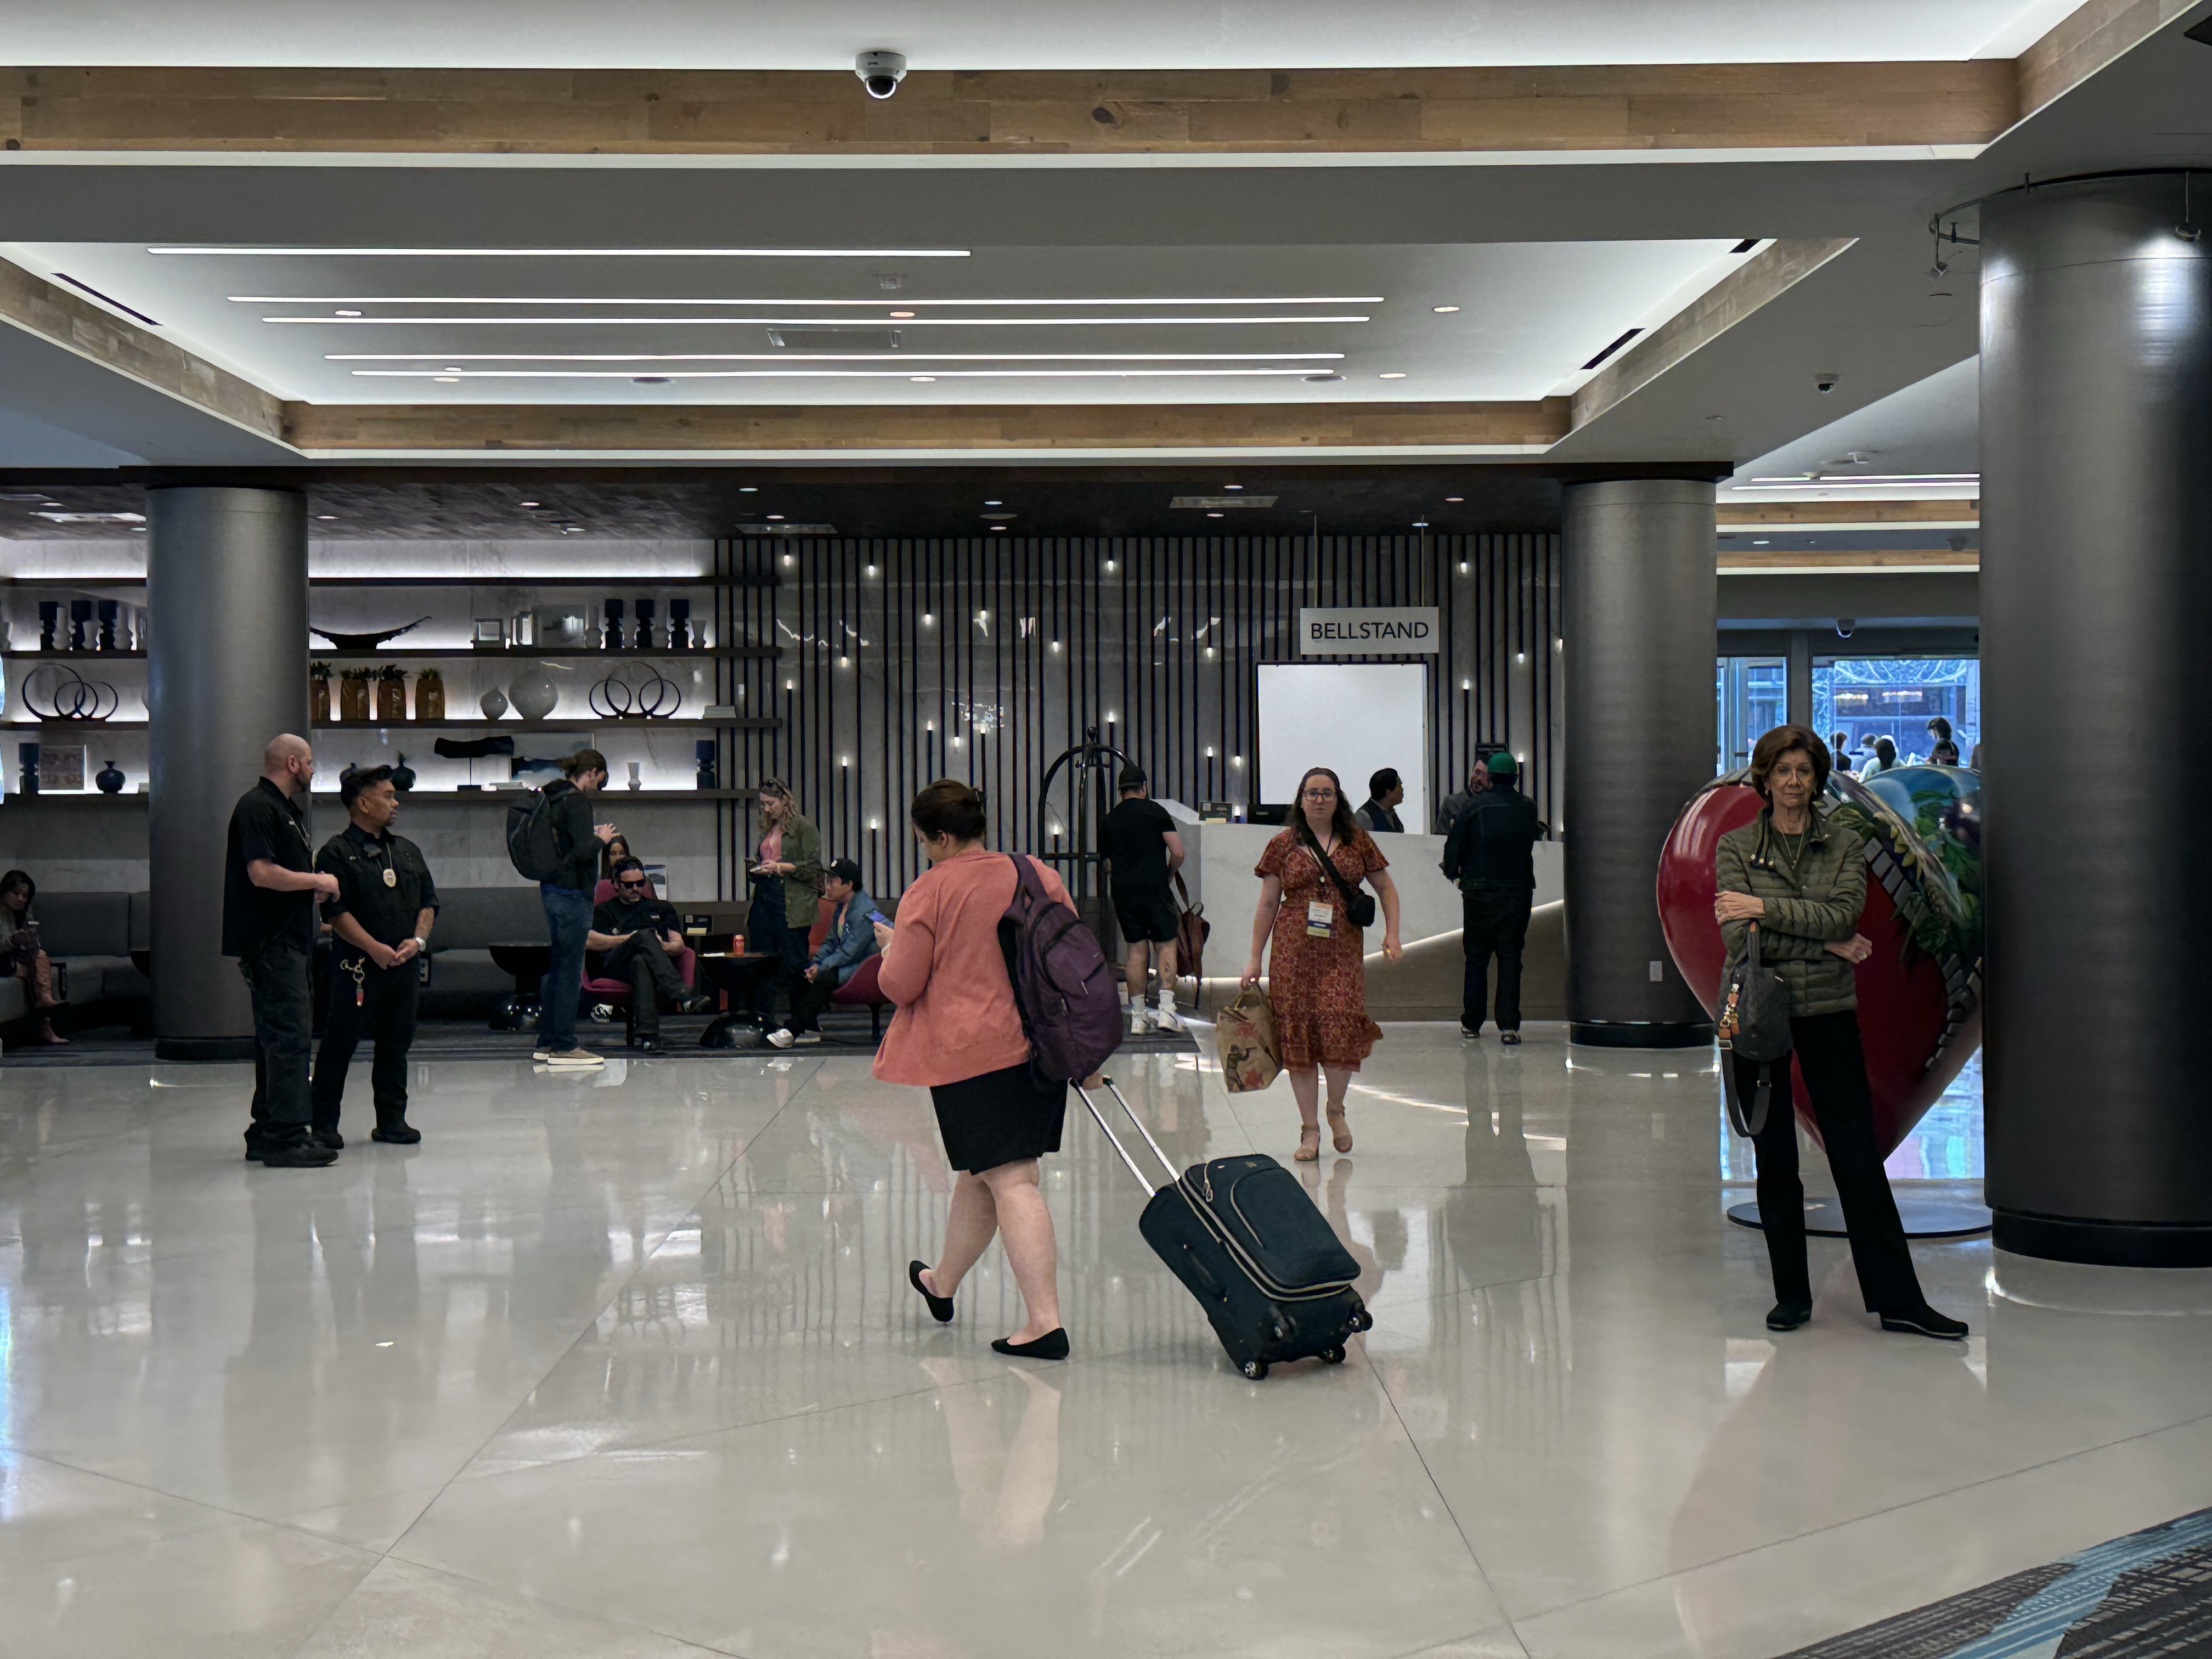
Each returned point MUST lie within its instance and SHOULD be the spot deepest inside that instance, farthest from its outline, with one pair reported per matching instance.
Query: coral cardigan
(943, 969)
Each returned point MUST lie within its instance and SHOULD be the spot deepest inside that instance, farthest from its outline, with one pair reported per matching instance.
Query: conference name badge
(1319, 919)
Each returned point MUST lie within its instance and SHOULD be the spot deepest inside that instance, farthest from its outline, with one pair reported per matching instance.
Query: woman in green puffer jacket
(1800, 879)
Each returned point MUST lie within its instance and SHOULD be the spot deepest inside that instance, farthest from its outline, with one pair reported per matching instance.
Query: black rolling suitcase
(1240, 1232)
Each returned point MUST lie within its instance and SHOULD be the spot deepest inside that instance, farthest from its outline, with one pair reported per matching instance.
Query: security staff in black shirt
(381, 924)
(1491, 854)
(268, 893)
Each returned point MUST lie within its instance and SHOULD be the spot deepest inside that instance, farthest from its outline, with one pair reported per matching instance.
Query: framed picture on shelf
(61, 766)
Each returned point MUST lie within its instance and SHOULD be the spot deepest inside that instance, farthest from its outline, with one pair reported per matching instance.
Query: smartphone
(879, 918)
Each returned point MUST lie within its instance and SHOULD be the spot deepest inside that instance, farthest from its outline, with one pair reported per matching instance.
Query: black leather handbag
(1754, 1022)
(1359, 903)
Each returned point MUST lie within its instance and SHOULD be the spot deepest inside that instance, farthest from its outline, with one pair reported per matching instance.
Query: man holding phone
(850, 941)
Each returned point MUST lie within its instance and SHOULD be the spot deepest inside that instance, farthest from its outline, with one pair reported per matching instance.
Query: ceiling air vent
(1215, 503)
(835, 340)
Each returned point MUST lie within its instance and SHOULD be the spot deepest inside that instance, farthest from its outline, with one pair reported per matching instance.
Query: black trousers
(809, 996)
(643, 960)
(281, 979)
(1835, 1076)
(1495, 920)
(381, 1004)
(768, 934)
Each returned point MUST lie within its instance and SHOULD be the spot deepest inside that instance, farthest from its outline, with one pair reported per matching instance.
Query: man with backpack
(552, 840)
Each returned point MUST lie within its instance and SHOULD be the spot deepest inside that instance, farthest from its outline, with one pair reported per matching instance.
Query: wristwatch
(421, 944)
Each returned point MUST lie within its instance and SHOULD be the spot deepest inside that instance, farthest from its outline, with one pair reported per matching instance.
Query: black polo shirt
(266, 824)
(386, 911)
(650, 915)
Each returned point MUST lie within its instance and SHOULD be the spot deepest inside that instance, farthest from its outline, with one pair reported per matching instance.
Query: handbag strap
(1326, 861)
(1182, 895)
(1748, 1124)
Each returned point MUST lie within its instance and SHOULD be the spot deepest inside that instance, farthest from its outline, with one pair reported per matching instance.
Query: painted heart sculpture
(1919, 994)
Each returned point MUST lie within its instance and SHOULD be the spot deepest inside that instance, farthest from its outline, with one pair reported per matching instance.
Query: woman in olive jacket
(788, 880)
(1799, 877)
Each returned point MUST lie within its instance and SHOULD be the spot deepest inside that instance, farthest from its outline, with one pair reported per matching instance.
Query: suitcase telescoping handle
(1115, 1141)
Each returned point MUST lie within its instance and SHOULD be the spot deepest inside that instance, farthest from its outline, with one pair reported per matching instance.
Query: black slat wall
(985, 658)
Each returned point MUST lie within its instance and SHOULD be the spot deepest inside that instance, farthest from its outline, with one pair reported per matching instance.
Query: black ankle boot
(1787, 1315)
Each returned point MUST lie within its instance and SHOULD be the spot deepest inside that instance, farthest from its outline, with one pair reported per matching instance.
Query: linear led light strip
(798, 322)
(833, 356)
(896, 304)
(817, 373)
(574, 252)
(1799, 480)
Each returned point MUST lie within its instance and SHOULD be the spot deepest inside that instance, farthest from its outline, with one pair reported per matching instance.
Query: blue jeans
(567, 919)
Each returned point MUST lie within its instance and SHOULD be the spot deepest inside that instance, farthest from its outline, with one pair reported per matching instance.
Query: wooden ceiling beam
(603, 429)
(1007, 112)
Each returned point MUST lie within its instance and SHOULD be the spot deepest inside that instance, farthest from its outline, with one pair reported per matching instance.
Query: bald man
(269, 887)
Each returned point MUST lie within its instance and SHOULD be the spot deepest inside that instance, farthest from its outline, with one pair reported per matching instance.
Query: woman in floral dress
(1319, 986)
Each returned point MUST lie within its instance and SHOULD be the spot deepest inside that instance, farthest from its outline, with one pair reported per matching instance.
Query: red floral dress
(1318, 987)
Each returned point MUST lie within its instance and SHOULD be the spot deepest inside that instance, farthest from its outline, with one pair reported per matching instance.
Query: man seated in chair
(638, 937)
(850, 941)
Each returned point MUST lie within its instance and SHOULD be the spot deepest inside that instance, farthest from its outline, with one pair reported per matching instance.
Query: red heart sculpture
(1919, 1009)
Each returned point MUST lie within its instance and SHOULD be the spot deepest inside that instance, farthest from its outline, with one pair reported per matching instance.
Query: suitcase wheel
(1254, 1369)
(1363, 1320)
(1332, 1356)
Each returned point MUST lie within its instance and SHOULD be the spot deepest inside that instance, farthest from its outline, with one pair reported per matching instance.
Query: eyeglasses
(1321, 794)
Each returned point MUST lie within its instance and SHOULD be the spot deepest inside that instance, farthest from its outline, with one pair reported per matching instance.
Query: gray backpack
(1754, 1022)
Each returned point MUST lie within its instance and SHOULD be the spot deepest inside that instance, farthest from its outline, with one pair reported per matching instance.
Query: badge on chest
(1320, 920)
(392, 878)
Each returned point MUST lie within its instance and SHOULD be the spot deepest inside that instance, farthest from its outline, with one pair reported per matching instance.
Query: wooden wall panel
(985, 658)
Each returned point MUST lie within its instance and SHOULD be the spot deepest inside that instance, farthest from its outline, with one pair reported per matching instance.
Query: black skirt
(1000, 1117)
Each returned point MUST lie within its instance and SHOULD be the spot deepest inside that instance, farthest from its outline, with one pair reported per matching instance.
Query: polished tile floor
(626, 1364)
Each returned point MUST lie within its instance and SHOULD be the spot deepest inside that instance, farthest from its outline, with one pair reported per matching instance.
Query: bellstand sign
(1369, 631)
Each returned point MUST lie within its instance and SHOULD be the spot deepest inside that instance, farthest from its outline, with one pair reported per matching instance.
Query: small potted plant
(353, 693)
(392, 695)
(429, 696)
(318, 693)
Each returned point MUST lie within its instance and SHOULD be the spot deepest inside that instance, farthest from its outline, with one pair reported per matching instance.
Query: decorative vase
(704, 751)
(319, 700)
(392, 698)
(643, 637)
(402, 777)
(429, 696)
(110, 779)
(27, 753)
(531, 692)
(493, 703)
(353, 695)
(636, 782)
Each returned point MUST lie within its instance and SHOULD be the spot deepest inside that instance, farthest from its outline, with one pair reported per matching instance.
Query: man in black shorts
(1143, 850)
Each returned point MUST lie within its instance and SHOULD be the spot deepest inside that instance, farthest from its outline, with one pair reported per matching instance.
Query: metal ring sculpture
(635, 690)
(69, 697)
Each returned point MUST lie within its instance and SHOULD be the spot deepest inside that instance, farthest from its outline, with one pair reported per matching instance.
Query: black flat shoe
(397, 1135)
(1926, 1321)
(1053, 1345)
(330, 1138)
(1787, 1316)
(1510, 1039)
(940, 1307)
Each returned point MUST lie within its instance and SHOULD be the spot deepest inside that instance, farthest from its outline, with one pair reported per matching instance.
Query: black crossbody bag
(1754, 1022)
(1359, 903)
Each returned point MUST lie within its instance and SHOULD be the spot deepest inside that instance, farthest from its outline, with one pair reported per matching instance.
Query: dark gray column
(1797, 689)
(2096, 433)
(1640, 599)
(227, 670)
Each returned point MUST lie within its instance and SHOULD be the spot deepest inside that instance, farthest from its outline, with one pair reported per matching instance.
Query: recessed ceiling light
(1392, 375)
(1455, 498)
(1759, 544)
(747, 489)
(995, 503)
(326, 517)
(1213, 515)
(453, 368)
(901, 315)
(446, 379)
(997, 526)
(1232, 486)
(772, 517)
(1442, 310)
(529, 503)
(922, 380)
(348, 313)
(1420, 524)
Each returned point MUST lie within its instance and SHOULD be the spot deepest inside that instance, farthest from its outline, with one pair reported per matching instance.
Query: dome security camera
(1845, 625)
(880, 72)
(1826, 382)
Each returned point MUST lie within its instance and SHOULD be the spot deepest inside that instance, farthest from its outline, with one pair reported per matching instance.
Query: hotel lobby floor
(627, 1364)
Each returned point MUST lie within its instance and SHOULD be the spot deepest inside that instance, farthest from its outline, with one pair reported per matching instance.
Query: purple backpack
(1070, 1006)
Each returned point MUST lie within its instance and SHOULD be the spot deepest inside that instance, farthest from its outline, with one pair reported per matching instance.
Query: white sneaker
(1140, 1022)
(541, 1053)
(1168, 1020)
(780, 1038)
(579, 1058)
(805, 1038)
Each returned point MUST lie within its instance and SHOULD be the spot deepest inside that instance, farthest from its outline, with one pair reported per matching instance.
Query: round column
(2096, 434)
(227, 670)
(1640, 600)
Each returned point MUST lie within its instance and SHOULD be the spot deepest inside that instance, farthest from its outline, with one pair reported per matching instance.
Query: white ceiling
(1527, 316)
(977, 35)
(1906, 443)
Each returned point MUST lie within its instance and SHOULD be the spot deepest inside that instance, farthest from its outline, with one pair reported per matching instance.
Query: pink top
(771, 848)
(956, 1018)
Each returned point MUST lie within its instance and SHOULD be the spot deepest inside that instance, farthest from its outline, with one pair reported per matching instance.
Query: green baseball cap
(1502, 765)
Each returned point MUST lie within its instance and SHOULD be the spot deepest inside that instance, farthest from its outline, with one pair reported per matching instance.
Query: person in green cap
(1489, 857)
